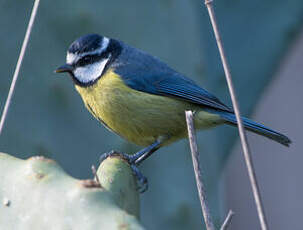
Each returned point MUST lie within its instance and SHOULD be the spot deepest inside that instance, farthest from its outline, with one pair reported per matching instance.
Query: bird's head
(88, 57)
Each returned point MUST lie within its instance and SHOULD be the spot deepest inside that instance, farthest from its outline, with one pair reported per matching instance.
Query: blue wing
(147, 74)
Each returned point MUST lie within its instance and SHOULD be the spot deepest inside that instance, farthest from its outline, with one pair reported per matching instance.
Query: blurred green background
(47, 116)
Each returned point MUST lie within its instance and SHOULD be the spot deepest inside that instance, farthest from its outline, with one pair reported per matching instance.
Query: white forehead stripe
(90, 72)
(73, 58)
(102, 48)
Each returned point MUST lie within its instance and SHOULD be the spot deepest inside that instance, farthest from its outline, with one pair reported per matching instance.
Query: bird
(141, 98)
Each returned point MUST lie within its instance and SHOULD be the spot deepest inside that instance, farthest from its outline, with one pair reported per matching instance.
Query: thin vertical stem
(198, 173)
(19, 63)
(227, 220)
(243, 138)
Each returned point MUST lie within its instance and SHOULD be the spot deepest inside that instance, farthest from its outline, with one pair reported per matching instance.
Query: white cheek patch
(89, 73)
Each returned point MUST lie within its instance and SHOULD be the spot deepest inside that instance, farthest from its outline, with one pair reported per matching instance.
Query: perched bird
(140, 98)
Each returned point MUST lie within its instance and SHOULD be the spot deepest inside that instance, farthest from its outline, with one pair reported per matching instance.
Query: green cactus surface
(37, 194)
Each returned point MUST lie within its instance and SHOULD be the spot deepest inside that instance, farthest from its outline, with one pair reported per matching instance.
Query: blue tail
(252, 126)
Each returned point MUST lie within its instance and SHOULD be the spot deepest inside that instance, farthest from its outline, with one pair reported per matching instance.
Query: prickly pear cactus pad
(37, 194)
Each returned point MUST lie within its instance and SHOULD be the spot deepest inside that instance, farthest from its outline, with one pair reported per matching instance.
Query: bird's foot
(142, 180)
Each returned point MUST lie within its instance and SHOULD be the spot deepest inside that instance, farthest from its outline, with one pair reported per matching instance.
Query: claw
(141, 179)
(113, 153)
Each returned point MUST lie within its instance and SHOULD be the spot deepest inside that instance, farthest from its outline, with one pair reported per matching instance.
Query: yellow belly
(140, 117)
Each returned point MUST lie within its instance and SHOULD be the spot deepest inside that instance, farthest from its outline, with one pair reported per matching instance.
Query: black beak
(64, 68)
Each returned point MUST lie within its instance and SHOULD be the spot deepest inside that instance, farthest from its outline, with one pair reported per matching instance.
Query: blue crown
(86, 43)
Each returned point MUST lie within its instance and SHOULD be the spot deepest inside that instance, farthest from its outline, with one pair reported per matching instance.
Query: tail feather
(257, 128)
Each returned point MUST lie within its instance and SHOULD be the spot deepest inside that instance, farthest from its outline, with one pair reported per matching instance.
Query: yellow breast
(137, 116)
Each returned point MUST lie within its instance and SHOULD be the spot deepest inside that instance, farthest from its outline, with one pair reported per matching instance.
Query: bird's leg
(135, 160)
(143, 154)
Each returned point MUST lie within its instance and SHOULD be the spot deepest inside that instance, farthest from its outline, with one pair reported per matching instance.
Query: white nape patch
(105, 43)
(73, 58)
(89, 73)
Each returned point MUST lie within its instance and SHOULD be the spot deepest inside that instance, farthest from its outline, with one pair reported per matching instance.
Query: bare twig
(95, 174)
(227, 220)
(198, 173)
(245, 147)
(19, 63)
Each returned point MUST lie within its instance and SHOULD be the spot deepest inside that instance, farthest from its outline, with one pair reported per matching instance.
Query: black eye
(87, 59)
(84, 61)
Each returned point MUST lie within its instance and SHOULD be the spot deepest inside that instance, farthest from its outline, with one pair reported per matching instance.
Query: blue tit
(140, 98)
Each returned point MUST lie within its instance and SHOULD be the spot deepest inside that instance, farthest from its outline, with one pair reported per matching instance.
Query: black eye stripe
(89, 59)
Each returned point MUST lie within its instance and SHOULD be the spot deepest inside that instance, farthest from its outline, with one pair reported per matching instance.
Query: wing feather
(146, 73)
